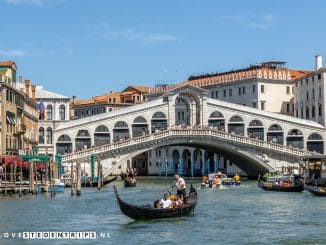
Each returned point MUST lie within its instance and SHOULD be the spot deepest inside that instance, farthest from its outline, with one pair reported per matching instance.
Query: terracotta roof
(8, 64)
(296, 74)
(139, 88)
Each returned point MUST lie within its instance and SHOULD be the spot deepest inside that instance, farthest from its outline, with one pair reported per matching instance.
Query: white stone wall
(316, 90)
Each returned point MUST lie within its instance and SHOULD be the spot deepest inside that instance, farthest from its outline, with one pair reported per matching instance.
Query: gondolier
(181, 186)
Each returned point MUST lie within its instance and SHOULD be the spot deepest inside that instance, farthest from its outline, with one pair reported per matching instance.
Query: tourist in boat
(216, 180)
(181, 186)
(157, 204)
(178, 202)
(236, 177)
(165, 201)
(204, 179)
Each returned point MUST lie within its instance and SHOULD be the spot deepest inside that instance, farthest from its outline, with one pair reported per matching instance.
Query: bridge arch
(139, 127)
(101, 135)
(159, 121)
(236, 125)
(82, 139)
(64, 145)
(216, 119)
(120, 131)
(295, 138)
(275, 134)
(315, 143)
(256, 130)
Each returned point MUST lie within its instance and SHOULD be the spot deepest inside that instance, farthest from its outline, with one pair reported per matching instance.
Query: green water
(235, 215)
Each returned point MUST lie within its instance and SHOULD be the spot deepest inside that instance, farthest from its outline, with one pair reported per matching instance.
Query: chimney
(27, 84)
(318, 61)
(33, 91)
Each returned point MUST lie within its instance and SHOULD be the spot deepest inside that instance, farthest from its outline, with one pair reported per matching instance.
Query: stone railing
(215, 134)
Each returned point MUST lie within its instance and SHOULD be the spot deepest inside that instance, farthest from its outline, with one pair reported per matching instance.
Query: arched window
(216, 114)
(140, 120)
(83, 140)
(49, 136)
(275, 134)
(216, 119)
(159, 122)
(41, 135)
(64, 144)
(255, 123)
(49, 112)
(295, 138)
(236, 119)
(62, 112)
(64, 138)
(159, 115)
(315, 143)
(101, 135)
(121, 124)
(256, 130)
(101, 129)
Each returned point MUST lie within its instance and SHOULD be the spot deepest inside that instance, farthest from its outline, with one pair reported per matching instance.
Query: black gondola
(318, 191)
(94, 183)
(271, 186)
(148, 212)
(129, 183)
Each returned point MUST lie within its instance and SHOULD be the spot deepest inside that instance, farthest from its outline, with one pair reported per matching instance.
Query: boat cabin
(315, 169)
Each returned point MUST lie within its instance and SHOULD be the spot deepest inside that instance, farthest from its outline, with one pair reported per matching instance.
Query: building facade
(310, 93)
(268, 86)
(12, 111)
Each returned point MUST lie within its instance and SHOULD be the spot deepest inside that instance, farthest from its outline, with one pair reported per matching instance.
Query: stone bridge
(255, 140)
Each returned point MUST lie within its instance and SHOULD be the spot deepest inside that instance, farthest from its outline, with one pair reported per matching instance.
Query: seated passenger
(216, 180)
(157, 204)
(204, 179)
(236, 177)
(165, 201)
(178, 201)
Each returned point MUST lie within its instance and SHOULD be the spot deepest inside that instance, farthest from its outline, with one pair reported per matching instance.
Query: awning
(8, 160)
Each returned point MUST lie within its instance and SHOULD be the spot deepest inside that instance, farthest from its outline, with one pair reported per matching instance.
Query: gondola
(94, 183)
(271, 186)
(318, 191)
(128, 183)
(148, 212)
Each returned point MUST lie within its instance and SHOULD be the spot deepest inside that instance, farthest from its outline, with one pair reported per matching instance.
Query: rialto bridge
(254, 140)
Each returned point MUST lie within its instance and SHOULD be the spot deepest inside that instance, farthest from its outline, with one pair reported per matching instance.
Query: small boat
(280, 185)
(129, 183)
(316, 190)
(148, 212)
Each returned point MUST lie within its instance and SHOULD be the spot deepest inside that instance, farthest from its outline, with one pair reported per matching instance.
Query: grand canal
(235, 215)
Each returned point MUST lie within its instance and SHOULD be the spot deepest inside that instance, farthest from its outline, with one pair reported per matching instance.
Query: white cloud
(253, 21)
(104, 31)
(38, 3)
(13, 53)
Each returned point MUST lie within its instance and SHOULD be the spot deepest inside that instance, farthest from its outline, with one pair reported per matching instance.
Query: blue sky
(90, 47)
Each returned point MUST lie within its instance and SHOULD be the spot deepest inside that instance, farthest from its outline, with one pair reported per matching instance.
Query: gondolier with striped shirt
(181, 186)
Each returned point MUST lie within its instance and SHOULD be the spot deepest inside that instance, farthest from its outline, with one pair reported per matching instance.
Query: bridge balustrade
(185, 132)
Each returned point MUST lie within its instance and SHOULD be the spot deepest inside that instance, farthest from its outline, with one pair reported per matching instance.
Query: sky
(91, 47)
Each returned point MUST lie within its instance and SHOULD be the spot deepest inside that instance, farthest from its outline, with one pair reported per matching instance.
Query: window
(313, 93)
(182, 115)
(320, 113)
(313, 78)
(292, 90)
(288, 108)
(239, 90)
(287, 89)
(41, 135)
(230, 92)
(307, 113)
(216, 94)
(319, 76)
(212, 93)
(62, 112)
(313, 111)
(114, 100)
(301, 113)
(262, 88)
(224, 92)
(307, 81)
(110, 100)
(254, 88)
(254, 105)
(262, 105)
(301, 82)
(319, 92)
(307, 95)
(244, 90)
(49, 112)
(49, 136)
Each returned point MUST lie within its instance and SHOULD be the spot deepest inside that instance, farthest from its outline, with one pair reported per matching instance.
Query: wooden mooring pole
(31, 176)
(99, 174)
(72, 178)
(78, 173)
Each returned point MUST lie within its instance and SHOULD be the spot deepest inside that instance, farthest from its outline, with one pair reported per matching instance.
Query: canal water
(235, 215)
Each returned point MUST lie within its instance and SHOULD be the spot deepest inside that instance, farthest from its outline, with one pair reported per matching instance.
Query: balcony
(21, 129)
